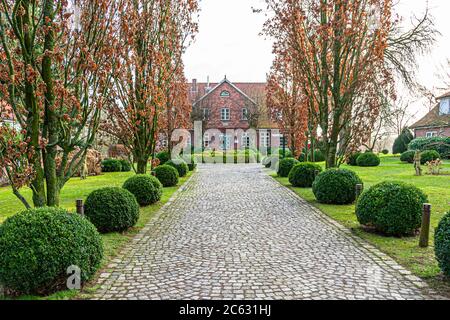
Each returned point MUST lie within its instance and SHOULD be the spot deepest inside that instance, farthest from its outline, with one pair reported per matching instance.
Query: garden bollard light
(425, 231)
(359, 190)
(80, 207)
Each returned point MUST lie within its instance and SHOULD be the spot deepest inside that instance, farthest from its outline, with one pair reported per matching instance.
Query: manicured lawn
(80, 189)
(405, 250)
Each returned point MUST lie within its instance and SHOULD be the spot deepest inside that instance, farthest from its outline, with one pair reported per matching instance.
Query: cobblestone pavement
(232, 232)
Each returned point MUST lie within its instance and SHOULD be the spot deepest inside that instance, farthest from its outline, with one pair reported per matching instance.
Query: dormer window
(444, 108)
(225, 94)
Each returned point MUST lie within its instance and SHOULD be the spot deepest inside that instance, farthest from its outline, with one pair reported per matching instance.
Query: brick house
(225, 107)
(437, 122)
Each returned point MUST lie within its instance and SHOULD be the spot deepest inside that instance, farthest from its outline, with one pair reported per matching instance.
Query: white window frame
(431, 134)
(244, 115)
(206, 140)
(205, 113)
(225, 114)
(264, 138)
(225, 141)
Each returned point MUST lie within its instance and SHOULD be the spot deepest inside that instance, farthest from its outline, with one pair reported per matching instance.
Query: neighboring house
(227, 106)
(437, 122)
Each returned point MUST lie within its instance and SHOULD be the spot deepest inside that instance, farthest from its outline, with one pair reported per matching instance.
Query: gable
(225, 89)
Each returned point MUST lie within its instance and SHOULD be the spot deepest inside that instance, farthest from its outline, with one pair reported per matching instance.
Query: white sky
(229, 44)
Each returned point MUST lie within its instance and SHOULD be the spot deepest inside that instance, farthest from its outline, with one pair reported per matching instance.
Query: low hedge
(147, 189)
(126, 165)
(336, 186)
(111, 165)
(353, 158)
(393, 208)
(163, 157)
(112, 209)
(304, 174)
(442, 244)
(285, 166)
(180, 165)
(368, 159)
(439, 144)
(167, 175)
(408, 156)
(429, 155)
(38, 246)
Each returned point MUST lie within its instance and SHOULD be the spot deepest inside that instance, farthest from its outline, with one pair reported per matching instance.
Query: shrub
(318, 156)
(336, 186)
(167, 175)
(429, 155)
(402, 142)
(442, 244)
(304, 174)
(368, 159)
(112, 209)
(191, 162)
(163, 157)
(126, 165)
(392, 208)
(385, 151)
(180, 165)
(147, 189)
(285, 166)
(353, 158)
(408, 156)
(111, 165)
(439, 144)
(38, 246)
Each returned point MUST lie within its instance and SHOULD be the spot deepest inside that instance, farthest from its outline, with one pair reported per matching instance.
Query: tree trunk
(142, 164)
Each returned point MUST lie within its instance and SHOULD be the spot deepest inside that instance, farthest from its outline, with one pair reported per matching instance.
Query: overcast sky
(229, 43)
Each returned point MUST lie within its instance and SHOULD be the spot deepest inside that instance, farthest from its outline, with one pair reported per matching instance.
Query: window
(432, 134)
(225, 94)
(205, 114)
(246, 142)
(225, 142)
(265, 139)
(283, 141)
(244, 114)
(206, 140)
(444, 107)
(225, 114)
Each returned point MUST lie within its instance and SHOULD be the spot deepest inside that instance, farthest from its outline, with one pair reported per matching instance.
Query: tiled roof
(432, 120)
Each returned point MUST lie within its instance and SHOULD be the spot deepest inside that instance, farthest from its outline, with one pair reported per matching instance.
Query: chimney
(194, 85)
(208, 88)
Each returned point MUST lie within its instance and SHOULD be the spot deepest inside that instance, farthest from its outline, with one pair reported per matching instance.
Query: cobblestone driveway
(234, 233)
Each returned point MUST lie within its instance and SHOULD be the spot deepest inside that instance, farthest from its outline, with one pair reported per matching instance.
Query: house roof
(433, 120)
(445, 95)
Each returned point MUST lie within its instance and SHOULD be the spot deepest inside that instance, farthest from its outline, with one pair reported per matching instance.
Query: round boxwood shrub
(304, 174)
(285, 166)
(336, 186)
(126, 165)
(112, 209)
(167, 175)
(408, 156)
(368, 159)
(385, 151)
(38, 246)
(442, 244)
(429, 155)
(393, 208)
(180, 165)
(163, 157)
(147, 189)
(111, 165)
(353, 158)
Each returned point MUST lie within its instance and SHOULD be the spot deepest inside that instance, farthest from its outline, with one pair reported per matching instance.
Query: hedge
(368, 159)
(147, 189)
(442, 244)
(167, 175)
(304, 174)
(438, 144)
(111, 165)
(285, 166)
(336, 186)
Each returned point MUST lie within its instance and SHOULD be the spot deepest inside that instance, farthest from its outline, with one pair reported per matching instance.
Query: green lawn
(405, 250)
(80, 189)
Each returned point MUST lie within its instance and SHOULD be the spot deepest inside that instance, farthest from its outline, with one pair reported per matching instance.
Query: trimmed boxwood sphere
(167, 175)
(112, 209)
(442, 244)
(38, 246)
(429, 155)
(304, 174)
(111, 165)
(336, 186)
(353, 158)
(180, 165)
(408, 156)
(147, 189)
(126, 165)
(163, 157)
(393, 208)
(285, 166)
(368, 159)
